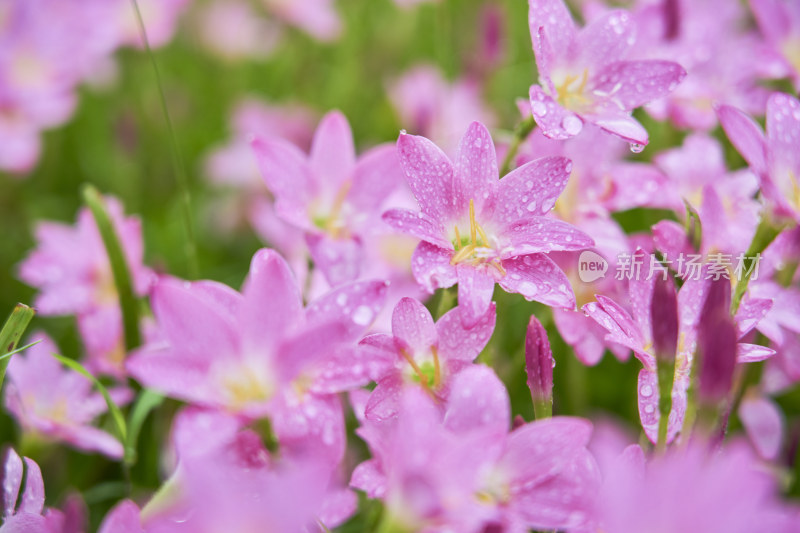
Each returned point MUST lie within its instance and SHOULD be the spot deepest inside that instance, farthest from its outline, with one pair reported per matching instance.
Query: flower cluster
(368, 375)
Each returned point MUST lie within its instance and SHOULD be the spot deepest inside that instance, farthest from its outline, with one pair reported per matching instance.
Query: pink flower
(70, 268)
(476, 231)
(692, 489)
(456, 465)
(333, 198)
(586, 76)
(774, 157)
(53, 402)
(779, 22)
(261, 353)
(422, 353)
(428, 105)
(633, 328)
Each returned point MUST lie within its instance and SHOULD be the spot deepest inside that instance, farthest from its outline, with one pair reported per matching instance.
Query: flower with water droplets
(587, 76)
(774, 157)
(477, 231)
(421, 353)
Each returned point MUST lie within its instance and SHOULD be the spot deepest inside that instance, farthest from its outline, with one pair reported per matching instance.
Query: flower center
(476, 247)
(333, 222)
(427, 373)
(246, 384)
(571, 90)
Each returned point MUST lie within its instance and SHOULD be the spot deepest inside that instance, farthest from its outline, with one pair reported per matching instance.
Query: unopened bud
(539, 364)
(664, 319)
(716, 344)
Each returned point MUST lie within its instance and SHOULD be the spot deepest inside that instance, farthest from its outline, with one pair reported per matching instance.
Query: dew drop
(362, 315)
(572, 125)
(637, 148)
(539, 108)
(647, 391)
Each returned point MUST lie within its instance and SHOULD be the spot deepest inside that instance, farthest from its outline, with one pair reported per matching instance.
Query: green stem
(765, 234)
(666, 377)
(543, 408)
(119, 267)
(521, 133)
(12, 332)
(180, 169)
(447, 300)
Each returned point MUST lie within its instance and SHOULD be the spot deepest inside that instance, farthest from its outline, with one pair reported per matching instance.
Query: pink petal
(124, 518)
(333, 155)
(33, 495)
(431, 267)
(605, 39)
(191, 323)
(648, 404)
(631, 84)
(478, 401)
(555, 18)
(337, 507)
(750, 313)
(339, 260)
(476, 171)
(457, 343)
(350, 367)
(751, 353)
(180, 377)
(554, 121)
(746, 135)
(384, 401)
(539, 234)
(429, 174)
(91, 439)
(272, 300)
(417, 224)
(532, 188)
(475, 289)
(310, 427)
(354, 305)
(763, 421)
(539, 450)
(368, 477)
(412, 323)
(377, 174)
(12, 481)
(537, 277)
(288, 176)
(783, 132)
(314, 343)
(623, 126)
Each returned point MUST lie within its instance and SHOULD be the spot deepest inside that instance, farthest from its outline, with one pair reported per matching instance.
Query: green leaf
(116, 414)
(693, 226)
(119, 266)
(147, 401)
(11, 334)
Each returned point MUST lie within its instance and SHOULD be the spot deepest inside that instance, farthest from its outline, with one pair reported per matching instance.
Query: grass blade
(11, 334)
(119, 267)
(147, 401)
(116, 413)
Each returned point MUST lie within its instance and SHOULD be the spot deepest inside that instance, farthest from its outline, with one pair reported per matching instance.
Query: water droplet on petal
(572, 125)
(539, 108)
(637, 148)
(362, 315)
(647, 391)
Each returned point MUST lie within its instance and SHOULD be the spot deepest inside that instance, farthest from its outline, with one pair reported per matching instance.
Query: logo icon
(591, 266)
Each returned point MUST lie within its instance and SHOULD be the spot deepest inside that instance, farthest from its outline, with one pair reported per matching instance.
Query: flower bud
(716, 344)
(539, 365)
(664, 319)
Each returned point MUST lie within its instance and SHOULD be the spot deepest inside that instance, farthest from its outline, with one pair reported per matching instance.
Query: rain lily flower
(730, 492)
(458, 466)
(226, 478)
(476, 231)
(70, 268)
(764, 423)
(428, 105)
(779, 22)
(261, 353)
(587, 75)
(774, 157)
(633, 328)
(51, 401)
(234, 30)
(713, 41)
(422, 353)
(333, 198)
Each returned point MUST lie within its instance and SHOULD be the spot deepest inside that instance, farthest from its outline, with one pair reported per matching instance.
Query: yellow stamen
(332, 222)
(421, 375)
(499, 267)
(484, 238)
(462, 254)
(472, 224)
(458, 238)
(437, 375)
